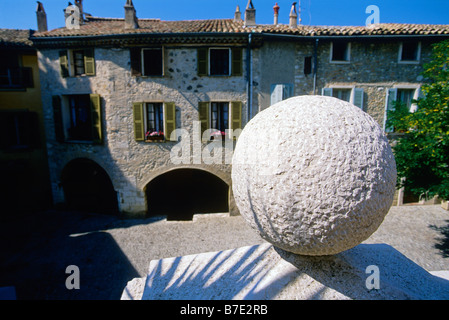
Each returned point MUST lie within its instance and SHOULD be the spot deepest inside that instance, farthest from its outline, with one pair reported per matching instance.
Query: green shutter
(236, 113)
(237, 62)
(89, 62)
(64, 63)
(203, 61)
(203, 111)
(170, 119)
(326, 92)
(57, 117)
(95, 109)
(358, 97)
(139, 130)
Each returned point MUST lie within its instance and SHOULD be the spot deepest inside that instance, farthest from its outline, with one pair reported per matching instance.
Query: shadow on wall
(87, 187)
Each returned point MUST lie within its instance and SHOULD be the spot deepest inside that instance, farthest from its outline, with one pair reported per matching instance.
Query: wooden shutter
(89, 62)
(236, 114)
(203, 61)
(57, 117)
(27, 77)
(136, 61)
(326, 92)
(203, 111)
(358, 97)
(237, 62)
(64, 63)
(95, 109)
(139, 129)
(391, 98)
(170, 119)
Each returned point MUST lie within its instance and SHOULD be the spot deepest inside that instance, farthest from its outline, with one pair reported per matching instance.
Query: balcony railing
(16, 78)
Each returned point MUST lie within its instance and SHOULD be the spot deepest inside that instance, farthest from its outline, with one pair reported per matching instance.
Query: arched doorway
(181, 193)
(87, 187)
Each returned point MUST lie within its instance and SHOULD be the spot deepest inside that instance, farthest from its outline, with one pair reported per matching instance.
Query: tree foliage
(422, 150)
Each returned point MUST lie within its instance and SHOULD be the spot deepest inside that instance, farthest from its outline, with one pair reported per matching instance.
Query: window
(148, 62)
(75, 63)
(405, 95)
(78, 118)
(352, 95)
(218, 117)
(18, 130)
(409, 52)
(154, 121)
(340, 52)
(220, 62)
(12, 74)
(307, 65)
(281, 92)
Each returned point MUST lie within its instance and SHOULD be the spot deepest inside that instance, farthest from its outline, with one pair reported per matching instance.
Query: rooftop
(13, 38)
(95, 26)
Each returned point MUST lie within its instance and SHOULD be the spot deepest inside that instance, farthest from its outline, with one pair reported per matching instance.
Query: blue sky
(20, 14)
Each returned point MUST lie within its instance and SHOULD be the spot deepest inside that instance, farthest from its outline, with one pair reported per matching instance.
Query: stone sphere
(313, 175)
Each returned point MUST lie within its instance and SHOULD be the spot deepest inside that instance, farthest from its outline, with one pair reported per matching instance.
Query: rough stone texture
(313, 175)
(263, 272)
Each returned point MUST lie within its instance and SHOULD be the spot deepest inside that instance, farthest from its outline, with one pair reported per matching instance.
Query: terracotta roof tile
(109, 26)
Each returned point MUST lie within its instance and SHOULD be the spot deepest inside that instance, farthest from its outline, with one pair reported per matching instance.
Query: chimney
(276, 14)
(293, 16)
(41, 18)
(250, 15)
(79, 4)
(130, 16)
(237, 14)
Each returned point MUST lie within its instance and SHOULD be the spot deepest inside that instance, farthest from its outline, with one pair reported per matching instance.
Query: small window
(78, 118)
(342, 94)
(75, 63)
(219, 62)
(152, 62)
(403, 95)
(80, 127)
(218, 117)
(352, 95)
(12, 74)
(409, 51)
(307, 65)
(340, 51)
(155, 119)
(147, 62)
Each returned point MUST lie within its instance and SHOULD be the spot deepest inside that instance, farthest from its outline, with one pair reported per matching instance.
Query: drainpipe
(315, 64)
(249, 76)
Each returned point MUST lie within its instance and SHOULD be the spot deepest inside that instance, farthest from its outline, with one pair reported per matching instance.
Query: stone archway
(87, 187)
(181, 193)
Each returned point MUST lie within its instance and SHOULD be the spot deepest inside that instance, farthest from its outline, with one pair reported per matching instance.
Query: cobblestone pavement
(36, 249)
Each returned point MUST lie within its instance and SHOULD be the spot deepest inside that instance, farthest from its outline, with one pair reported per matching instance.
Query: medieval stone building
(121, 95)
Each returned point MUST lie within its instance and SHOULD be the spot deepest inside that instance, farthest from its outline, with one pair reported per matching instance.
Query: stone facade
(276, 62)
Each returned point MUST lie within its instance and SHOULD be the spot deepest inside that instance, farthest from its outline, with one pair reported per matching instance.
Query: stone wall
(131, 164)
